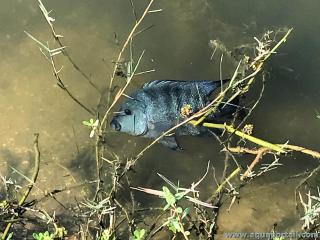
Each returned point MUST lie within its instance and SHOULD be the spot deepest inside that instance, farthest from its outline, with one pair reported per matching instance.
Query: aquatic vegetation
(106, 235)
(177, 220)
(138, 234)
(59, 234)
(43, 236)
(311, 210)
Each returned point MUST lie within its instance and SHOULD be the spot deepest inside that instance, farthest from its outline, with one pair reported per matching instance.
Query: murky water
(177, 47)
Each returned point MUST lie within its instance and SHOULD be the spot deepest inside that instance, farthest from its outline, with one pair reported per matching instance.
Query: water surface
(177, 48)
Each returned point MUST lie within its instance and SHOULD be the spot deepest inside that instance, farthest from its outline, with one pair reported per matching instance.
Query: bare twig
(259, 156)
(56, 73)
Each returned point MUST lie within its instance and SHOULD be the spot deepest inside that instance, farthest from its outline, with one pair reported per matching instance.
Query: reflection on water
(177, 47)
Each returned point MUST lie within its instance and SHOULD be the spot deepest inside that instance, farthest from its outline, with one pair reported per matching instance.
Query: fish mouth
(115, 125)
(144, 132)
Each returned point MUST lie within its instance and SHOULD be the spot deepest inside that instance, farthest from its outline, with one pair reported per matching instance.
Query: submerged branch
(264, 150)
(255, 140)
(232, 175)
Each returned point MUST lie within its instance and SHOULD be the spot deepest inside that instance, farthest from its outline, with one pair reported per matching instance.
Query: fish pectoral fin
(171, 142)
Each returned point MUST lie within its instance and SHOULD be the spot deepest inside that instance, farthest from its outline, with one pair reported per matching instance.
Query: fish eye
(127, 111)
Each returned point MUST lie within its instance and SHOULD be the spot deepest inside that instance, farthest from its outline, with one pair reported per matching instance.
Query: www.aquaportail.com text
(272, 235)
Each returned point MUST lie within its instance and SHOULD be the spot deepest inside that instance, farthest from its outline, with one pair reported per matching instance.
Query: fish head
(131, 118)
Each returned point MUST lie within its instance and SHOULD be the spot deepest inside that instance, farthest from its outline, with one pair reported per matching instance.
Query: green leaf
(172, 228)
(179, 195)
(176, 225)
(139, 233)
(166, 206)
(170, 198)
(43, 236)
(35, 235)
(86, 123)
(185, 213)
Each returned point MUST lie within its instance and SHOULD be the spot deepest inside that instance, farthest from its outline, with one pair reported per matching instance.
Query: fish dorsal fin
(159, 83)
(210, 86)
(206, 85)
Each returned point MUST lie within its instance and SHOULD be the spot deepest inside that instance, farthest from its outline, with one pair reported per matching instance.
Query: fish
(162, 104)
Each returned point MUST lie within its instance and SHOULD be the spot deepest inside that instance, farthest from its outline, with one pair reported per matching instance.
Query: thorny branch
(49, 54)
(57, 38)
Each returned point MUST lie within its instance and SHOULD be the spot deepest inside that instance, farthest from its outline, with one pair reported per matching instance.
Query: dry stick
(312, 153)
(30, 185)
(257, 159)
(133, 204)
(98, 166)
(64, 88)
(230, 129)
(57, 38)
(134, 11)
(130, 223)
(56, 72)
(151, 233)
(261, 151)
(232, 175)
(65, 188)
(120, 56)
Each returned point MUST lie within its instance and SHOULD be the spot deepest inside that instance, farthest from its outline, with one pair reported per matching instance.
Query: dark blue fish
(162, 104)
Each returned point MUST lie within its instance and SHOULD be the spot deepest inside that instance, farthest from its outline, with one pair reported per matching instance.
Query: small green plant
(93, 125)
(106, 235)
(43, 236)
(177, 214)
(61, 232)
(138, 234)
